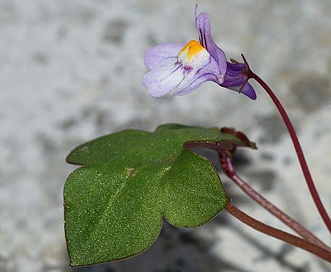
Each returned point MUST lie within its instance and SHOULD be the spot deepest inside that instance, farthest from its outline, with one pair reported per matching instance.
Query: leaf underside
(128, 181)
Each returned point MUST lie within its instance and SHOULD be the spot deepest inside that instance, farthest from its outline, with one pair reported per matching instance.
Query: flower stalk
(303, 163)
(229, 170)
(279, 234)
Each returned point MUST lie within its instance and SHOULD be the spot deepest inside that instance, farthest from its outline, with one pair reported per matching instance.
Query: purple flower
(182, 69)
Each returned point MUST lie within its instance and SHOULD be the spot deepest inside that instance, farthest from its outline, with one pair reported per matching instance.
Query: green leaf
(129, 181)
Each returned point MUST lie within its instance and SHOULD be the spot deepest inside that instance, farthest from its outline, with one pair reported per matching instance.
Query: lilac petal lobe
(156, 57)
(161, 81)
(188, 88)
(191, 82)
(202, 24)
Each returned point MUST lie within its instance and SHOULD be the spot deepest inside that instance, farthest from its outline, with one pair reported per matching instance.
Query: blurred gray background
(71, 71)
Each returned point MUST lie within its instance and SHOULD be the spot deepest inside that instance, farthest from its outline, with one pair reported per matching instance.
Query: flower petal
(157, 56)
(163, 80)
(197, 77)
(202, 24)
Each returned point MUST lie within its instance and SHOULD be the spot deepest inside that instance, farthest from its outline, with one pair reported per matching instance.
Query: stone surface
(71, 71)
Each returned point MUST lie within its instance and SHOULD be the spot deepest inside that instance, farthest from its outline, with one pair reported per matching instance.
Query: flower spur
(182, 69)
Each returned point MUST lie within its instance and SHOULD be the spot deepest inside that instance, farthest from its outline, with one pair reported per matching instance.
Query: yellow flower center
(190, 50)
(193, 56)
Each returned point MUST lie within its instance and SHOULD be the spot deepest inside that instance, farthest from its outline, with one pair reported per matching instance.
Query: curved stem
(298, 149)
(278, 234)
(229, 170)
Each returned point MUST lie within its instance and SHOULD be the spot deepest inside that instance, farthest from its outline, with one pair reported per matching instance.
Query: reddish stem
(278, 234)
(298, 149)
(290, 222)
